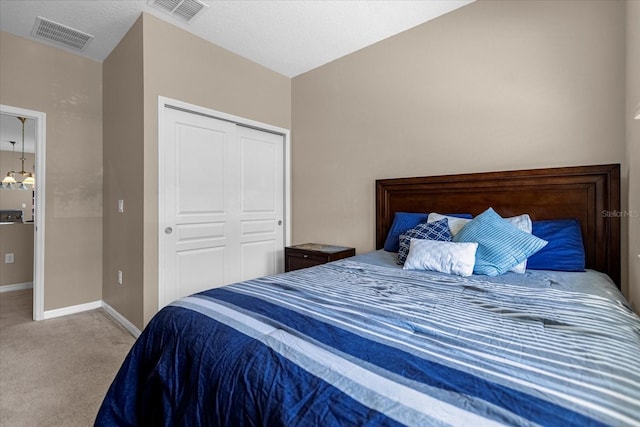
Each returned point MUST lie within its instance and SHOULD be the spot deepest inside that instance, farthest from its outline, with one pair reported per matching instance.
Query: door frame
(165, 102)
(39, 231)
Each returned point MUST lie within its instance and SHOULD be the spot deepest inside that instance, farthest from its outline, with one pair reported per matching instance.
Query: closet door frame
(163, 104)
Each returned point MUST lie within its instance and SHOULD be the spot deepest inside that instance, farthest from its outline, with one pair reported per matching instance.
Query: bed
(365, 342)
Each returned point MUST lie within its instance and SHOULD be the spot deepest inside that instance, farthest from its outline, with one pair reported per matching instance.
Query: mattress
(363, 342)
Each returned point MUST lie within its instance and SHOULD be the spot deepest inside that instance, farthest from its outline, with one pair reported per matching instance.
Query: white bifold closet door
(222, 204)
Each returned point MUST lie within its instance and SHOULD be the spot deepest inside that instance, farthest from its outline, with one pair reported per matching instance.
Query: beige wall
(178, 65)
(123, 131)
(68, 88)
(18, 240)
(633, 148)
(492, 86)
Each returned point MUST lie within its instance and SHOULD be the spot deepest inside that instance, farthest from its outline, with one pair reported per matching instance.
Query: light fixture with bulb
(9, 181)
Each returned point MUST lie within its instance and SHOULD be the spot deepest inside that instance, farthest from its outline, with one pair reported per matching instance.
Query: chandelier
(27, 178)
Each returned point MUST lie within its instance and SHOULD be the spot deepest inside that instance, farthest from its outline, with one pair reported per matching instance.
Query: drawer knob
(305, 256)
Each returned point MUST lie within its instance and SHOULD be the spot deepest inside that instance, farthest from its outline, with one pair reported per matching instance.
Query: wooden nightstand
(310, 254)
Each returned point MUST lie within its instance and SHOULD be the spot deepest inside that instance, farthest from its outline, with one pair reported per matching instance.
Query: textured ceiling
(287, 36)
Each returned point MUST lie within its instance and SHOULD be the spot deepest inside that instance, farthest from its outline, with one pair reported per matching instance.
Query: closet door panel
(199, 231)
(262, 202)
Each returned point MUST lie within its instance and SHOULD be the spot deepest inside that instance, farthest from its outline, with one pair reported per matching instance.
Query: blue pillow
(565, 251)
(501, 246)
(437, 230)
(403, 221)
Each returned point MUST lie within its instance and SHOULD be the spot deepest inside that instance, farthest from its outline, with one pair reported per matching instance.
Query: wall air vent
(60, 34)
(185, 10)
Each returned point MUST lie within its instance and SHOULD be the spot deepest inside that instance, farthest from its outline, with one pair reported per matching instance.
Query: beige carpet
(55, 372)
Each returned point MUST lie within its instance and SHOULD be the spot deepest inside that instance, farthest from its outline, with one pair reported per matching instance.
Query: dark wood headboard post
(589, 193)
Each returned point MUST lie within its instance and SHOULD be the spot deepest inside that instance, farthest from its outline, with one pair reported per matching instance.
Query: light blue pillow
(501, 246)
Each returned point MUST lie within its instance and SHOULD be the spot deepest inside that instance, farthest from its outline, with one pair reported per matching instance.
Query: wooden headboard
(589, 193)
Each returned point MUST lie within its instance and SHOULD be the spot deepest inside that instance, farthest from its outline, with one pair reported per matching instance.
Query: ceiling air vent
(185, 10)
(61, 34)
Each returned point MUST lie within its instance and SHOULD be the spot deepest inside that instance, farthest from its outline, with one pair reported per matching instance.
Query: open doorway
(23, 201)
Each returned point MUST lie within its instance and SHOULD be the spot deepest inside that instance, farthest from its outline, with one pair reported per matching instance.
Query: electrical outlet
(119, 277)
(8, 258)
(120, 206)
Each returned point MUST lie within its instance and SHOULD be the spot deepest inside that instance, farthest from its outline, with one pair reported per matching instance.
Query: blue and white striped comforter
(349, 343)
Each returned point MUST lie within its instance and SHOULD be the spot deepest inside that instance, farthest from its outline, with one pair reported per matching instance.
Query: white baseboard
(72, 309)
(133, 330)
(16, 287)
(121, 319)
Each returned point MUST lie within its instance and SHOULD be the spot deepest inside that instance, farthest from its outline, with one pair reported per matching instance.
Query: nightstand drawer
(296, 262)
(311, 254)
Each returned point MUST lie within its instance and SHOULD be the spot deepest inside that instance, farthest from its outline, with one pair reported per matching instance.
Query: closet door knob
(168, 230)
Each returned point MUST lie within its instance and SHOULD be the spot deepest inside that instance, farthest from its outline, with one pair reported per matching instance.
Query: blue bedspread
(354, 344)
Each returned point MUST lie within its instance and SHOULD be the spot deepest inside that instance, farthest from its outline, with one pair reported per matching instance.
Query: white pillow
(455, 224)
(445, 257)
(522, 223)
